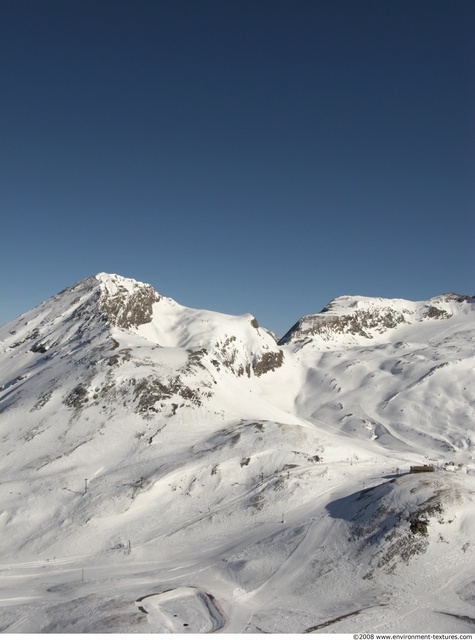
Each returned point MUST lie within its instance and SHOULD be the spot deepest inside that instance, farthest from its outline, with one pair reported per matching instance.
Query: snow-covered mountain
(176, 470)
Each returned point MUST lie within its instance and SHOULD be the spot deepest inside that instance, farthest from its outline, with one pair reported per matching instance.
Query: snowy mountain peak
(126, 302)
(82, 311)
(114, 280)
(92, 331)
(113, 283)
(352, 319)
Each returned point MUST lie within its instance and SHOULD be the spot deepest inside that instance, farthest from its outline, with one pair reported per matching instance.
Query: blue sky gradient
(260, 156)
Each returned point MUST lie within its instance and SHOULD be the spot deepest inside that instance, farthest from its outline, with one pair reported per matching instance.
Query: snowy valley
(173, 470)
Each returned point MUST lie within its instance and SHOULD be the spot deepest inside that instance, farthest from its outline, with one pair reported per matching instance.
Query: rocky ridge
(357, 317)
(105, 322)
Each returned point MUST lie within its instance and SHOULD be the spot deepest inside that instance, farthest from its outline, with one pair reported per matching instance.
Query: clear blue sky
(260, 156)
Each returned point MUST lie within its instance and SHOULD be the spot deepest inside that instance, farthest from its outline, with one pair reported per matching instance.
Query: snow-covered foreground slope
(166, 469)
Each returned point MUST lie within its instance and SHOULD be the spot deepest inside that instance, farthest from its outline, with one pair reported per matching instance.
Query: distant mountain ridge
(90, 322)
(371, 317)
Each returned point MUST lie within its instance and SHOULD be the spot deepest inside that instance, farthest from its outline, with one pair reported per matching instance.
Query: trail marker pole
(85, 485)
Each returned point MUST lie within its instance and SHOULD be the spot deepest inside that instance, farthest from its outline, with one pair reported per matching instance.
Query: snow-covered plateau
(173, 470)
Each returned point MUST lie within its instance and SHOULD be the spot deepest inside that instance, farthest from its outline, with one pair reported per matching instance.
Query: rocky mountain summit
(359, 317)
(109, 320)
(167, 469)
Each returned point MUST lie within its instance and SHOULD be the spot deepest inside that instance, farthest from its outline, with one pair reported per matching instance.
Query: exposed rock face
(127, 307)
(454, 297)
(269, 362)
(434, 312)
(392, 530)
(150, 392)
(358, 323)
(369, 317)
(77, 398)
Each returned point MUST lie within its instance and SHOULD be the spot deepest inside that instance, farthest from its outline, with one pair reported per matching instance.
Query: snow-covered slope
(391, 370)
(176, 470)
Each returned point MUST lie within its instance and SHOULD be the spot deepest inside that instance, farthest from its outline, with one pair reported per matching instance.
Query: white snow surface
(174, 470)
